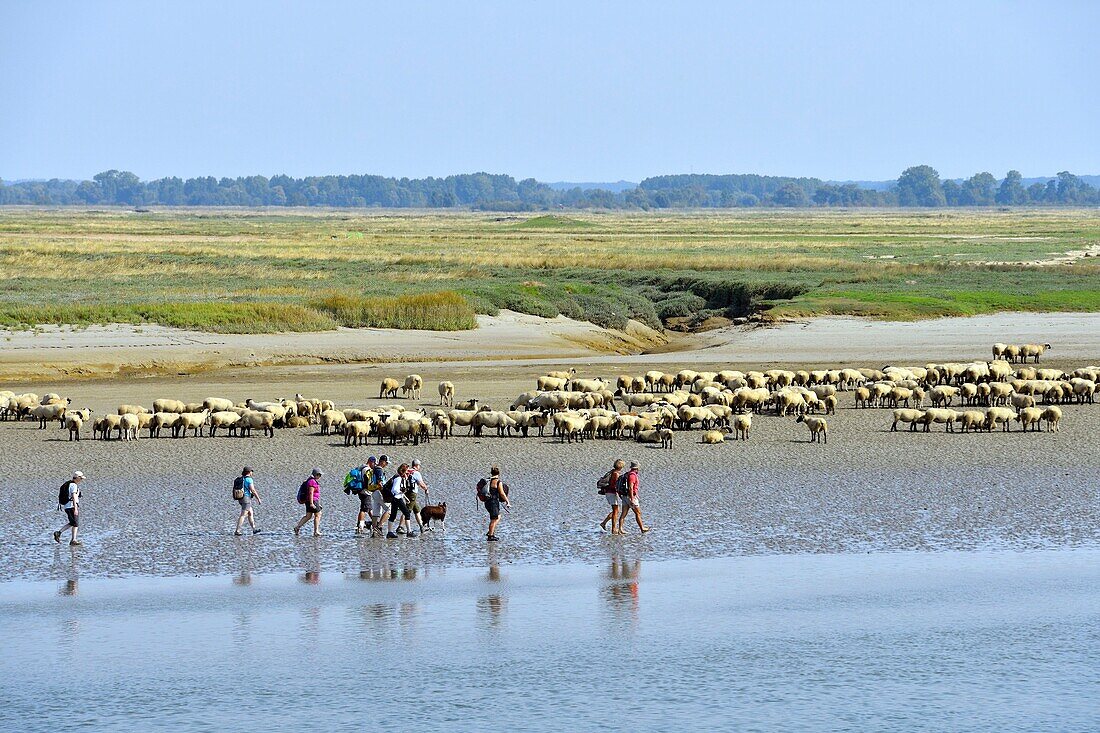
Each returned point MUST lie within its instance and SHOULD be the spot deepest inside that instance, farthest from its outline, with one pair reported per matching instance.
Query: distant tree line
(917, 186)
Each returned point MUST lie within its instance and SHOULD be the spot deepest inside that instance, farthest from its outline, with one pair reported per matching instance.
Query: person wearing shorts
(628, 498)
(71, 490)
(395, 491)
(497, 493)
(313, 504)
(250, 493)
(612, 496)
(416, 483)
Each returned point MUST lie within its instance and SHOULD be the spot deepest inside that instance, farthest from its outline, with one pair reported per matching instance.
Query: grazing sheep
(412, 386)
(1020, 401)
(447, 394)
(819, 428)
(227, 419)
(907, 415)
(104, 425)
(942, 395)
(999, 416)
(971, 420)
(255, 419)
(1052, 416)
(1030, 418)
(830, 404)
(388, 388)
(863, 397)
(217, 404)
(1032, 351)
(570, 427)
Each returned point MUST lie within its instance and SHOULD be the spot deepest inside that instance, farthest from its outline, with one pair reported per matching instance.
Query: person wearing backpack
(379, 506)
(395, 492)
(244, 491)
(627, 489)
(606, 487)
(492, 491)
(309, 494)
(68, 498)
(355, 484)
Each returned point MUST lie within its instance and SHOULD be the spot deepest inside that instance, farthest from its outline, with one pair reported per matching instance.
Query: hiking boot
(57, 536)
(76, 543)
(391, 535)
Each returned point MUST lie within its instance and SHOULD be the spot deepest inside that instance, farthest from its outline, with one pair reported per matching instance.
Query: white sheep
(1030, 418)
(741, 426)
(1052, 416)
(819, 428)
(447, 394)
(412, 386)
(227, 419)
(388, 388)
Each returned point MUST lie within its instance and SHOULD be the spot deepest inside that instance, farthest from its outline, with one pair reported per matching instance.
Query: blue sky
(554, 90)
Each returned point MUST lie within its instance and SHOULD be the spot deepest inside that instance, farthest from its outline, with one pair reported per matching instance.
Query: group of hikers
(386, 500)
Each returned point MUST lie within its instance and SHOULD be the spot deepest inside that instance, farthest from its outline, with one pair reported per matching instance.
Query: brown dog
(435, 511)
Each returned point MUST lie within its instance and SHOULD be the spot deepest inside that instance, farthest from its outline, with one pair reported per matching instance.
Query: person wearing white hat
(68, 498)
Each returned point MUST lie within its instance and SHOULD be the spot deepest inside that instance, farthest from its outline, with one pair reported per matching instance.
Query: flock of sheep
(650, 408)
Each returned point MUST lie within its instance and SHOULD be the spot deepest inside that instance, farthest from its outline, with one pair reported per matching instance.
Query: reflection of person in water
(492, 606)
(620, 595)
(69, 588)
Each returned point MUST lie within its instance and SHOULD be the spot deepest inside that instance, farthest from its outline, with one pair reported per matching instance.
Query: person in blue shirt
(248, 486)
(355, 484)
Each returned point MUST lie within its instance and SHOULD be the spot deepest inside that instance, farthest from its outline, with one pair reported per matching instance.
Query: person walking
(495, 492)
(628, 497)
(416, 483)
(309, 493)
(395, 490)
(380, 507)
(68, 498)
(355, 484)
(244, 491)
(607, 486)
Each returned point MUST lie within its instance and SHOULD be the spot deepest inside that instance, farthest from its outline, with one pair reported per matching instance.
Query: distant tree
(1011, 192)
(89, 192)
(920, 186)
(953, 193)
(979, 190)
(791, 194)
(1035, 193)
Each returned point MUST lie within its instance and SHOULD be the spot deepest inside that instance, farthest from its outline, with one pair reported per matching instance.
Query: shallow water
(961, 641)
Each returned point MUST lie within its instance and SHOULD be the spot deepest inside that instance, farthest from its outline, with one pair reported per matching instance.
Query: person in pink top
(628, 497)
(312, 503)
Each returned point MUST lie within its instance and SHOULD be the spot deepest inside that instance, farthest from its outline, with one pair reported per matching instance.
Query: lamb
(1030, 417)
(447, 394)
(389, 388)
(741, 426)
(1052, 416)
(193, 421)
(819, 428)
(227, 419)
(907, 415)
(412, 386)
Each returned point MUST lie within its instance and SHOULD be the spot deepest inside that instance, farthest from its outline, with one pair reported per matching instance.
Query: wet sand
(162, 506)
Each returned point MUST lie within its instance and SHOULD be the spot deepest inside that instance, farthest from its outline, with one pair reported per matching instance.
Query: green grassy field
(247, 271)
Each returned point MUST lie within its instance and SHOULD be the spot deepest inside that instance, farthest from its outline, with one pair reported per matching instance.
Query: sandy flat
(63, 353)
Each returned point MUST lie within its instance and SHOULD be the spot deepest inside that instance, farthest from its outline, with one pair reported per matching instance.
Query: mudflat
(163, 506)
